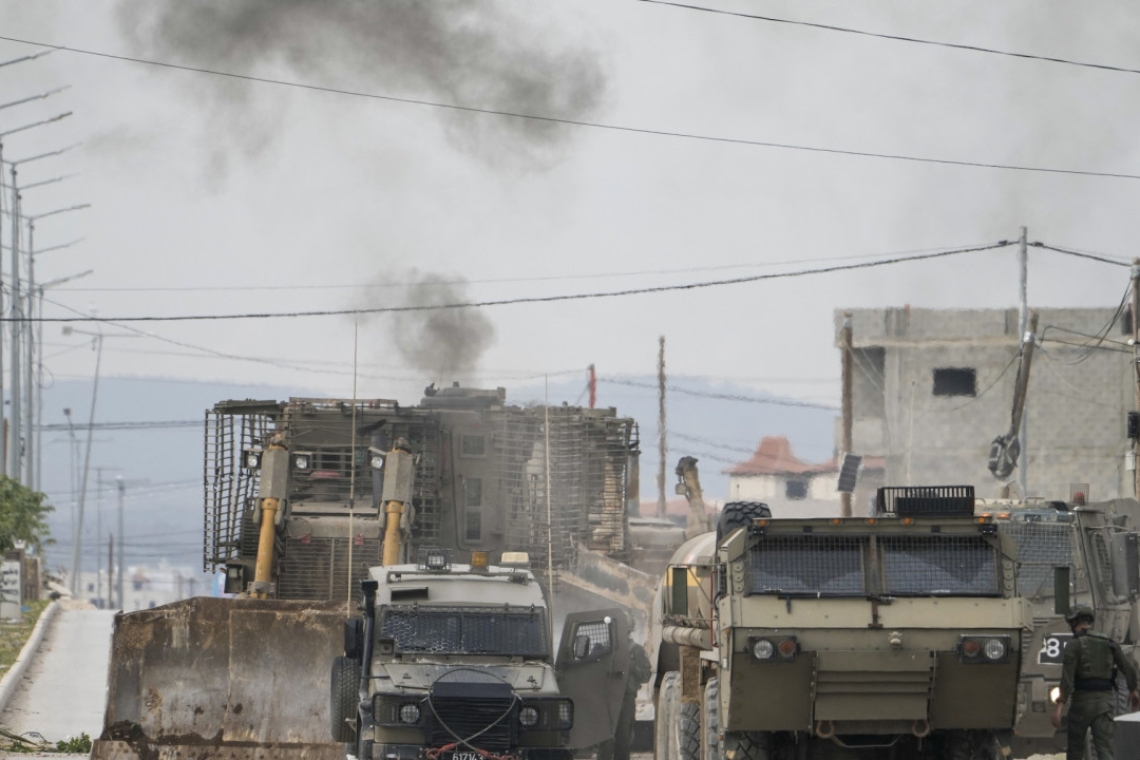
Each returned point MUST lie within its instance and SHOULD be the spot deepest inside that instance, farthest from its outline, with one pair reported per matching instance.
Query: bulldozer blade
(222, 678)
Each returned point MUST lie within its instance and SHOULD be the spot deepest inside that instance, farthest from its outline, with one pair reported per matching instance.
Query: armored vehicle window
(473, 508)
(466, 630)
(954, 565)
(1041, 546)
(955, 381)
(828, 565)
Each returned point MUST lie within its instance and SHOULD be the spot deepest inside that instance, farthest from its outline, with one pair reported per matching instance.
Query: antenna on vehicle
(352, 461)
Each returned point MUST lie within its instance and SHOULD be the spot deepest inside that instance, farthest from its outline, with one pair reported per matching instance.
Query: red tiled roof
(774, 457)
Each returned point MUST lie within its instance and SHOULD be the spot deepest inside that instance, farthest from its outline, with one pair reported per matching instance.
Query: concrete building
(932, 389)
(145, 586)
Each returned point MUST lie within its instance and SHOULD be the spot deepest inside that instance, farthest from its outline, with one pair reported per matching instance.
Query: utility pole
(1022, 322)
(122, 484)
(662, 441)
(110, 570)
(1136, 365)
(848, 412)
(14, 306)
(75, 556)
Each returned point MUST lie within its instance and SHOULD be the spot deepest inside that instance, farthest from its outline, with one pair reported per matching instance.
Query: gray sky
(237, 192)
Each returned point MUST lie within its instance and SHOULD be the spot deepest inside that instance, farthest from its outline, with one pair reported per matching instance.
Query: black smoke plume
(462, 52)
(445, 344)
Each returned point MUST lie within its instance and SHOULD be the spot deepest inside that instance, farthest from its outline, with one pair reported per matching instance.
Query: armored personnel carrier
(898, 635)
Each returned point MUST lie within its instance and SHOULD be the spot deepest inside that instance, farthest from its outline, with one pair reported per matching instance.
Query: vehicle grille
(468, 716)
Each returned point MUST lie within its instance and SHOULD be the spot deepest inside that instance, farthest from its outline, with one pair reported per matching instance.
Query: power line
(510, 301)
(490, 281)
(1082, 254)
(141, 425)
(897, 37)
(578, 122)
(721, 396)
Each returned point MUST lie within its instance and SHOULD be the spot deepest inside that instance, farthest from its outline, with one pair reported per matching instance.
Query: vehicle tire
(689, 732)
(344, 696)
(667, 718)
(712, 720)
(748, 745)
(737, 514)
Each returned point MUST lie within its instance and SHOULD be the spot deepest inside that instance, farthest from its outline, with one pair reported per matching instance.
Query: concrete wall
(1079, 392)
(822, 499)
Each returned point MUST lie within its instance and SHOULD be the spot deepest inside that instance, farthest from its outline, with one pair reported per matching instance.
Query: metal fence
(1041, 546)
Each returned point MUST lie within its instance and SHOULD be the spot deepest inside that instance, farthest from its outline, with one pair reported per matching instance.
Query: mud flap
(206, 678)
(592, 669)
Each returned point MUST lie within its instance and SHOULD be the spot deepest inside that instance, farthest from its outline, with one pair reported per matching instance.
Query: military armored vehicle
(455, 662)
(1097, 550)
(296, 515)
(898, 635)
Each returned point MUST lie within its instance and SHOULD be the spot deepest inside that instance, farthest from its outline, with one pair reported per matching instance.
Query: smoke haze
(444, 343)
(454, 51)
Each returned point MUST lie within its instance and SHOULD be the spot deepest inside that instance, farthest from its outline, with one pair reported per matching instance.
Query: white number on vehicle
(1053, 649)
(465, 756)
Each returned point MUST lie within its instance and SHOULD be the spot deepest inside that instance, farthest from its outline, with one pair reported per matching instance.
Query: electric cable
(720, 396)
(120, 321)
(1081, 254)
(578, 122)
(896, 37)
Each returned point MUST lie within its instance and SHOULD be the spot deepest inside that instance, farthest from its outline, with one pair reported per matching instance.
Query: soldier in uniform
(1092, 661)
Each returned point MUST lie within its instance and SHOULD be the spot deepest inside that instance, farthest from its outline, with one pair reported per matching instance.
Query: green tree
(23, 516)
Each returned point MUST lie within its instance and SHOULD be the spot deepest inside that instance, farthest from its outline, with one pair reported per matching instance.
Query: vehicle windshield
(510, 631)
(1041, 546)
(822, 565)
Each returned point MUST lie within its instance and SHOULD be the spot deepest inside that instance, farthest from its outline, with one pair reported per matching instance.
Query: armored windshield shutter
(679, 602)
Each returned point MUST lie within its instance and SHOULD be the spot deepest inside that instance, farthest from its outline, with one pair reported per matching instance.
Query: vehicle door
(592, 668)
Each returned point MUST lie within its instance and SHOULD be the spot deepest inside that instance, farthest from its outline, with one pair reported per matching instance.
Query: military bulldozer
(298, 511)
(897, 635)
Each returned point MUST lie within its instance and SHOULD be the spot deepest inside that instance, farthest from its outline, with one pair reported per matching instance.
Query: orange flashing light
(762, 523)
(835, 521)
(908, 521)
(871, 521)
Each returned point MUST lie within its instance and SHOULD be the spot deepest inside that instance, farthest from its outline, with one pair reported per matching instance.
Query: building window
(956, 381)
(796, 489)
(473, 508)
(473, 446)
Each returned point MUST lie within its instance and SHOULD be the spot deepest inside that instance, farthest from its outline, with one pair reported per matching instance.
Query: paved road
(65, 689)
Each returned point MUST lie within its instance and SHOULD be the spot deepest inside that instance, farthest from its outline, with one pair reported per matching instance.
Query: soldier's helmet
(1080, 612)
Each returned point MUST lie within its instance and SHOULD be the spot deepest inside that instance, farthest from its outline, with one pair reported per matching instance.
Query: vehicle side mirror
(354, 638)
(1061, 590)
(581, 646)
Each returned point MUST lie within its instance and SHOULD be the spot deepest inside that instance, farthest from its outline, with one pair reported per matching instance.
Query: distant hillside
(162, 466)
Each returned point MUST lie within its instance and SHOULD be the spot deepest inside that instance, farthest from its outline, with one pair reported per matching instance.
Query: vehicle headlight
(251, 459)
(762, 649)
(994, 649)
(1055, 694)
(410, 713)
(301, 461)
(528, 716)
(377, 462)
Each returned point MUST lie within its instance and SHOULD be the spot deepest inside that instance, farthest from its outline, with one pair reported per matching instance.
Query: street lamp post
(75, 547)
(39, 448)
(32, 435)
(15, 311)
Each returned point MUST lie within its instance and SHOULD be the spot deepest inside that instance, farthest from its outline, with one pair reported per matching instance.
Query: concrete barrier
(12, 678)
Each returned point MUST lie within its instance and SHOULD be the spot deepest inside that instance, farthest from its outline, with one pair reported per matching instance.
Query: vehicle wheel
(748, 746)
(712, 720)
(667, 718)
(344, 696)
(737, 514)
(689, 732)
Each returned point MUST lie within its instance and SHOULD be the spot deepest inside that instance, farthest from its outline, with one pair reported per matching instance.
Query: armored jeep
(454, 662)
(898, 635)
